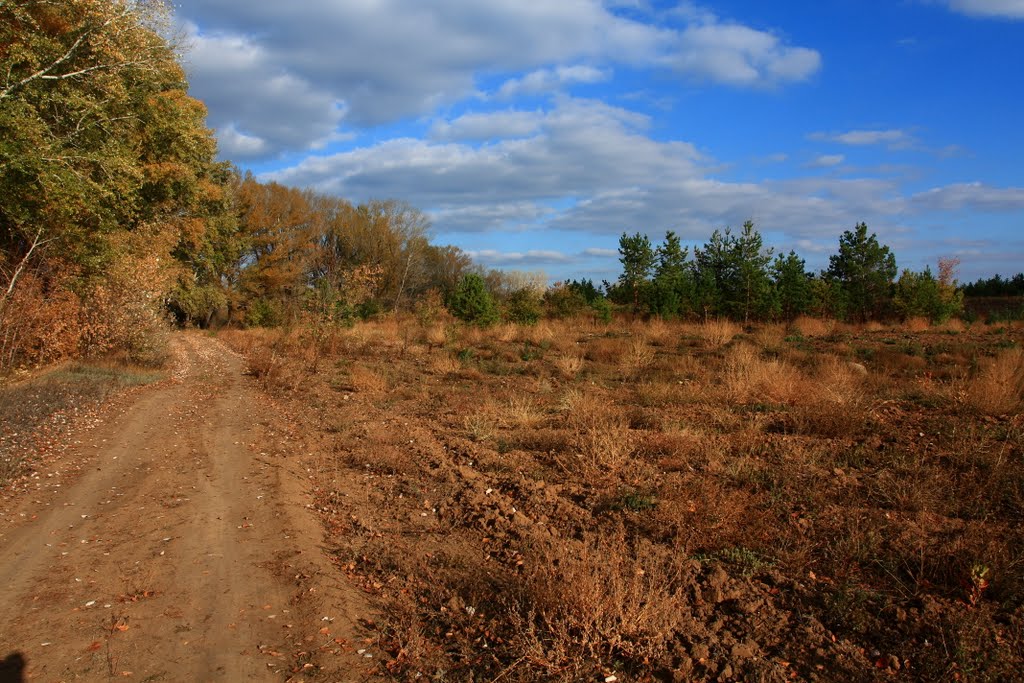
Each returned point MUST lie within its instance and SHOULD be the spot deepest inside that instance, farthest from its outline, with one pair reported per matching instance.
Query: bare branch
(37, 242)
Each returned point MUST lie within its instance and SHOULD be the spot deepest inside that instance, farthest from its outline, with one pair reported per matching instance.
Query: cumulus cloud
(291, 77)
(741, 56)
(588, 168)
(257, 106)
(1002, 9)
(977, 196)
(488, 126)
(550, 80)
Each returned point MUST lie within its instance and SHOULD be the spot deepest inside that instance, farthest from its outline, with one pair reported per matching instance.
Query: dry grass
(998, 388)
(750, 378)
(596, 600)
(917, 324)
(637, 358)
(770, 337)
(835, 402)
(602, 443)
(807, 326)
(717, 333)
(522, 412)
(367, 379)
(569, 365)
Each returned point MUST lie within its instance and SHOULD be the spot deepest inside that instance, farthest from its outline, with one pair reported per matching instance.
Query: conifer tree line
(116, 216)
(733, 275)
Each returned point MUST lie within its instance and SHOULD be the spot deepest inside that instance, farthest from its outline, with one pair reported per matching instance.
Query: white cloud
(600, 253)
(290, 77)
(826, 161)
(493, 257)
(257, 107)
(489, 126)
(590, 168)
(893, 138)
(977, 196)
(238, 145)
(551, 80)
(1004, 9)
(741, 56)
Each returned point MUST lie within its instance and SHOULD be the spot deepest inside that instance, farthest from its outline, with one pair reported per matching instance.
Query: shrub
(523, 307)
(263, 313)
(472, 303)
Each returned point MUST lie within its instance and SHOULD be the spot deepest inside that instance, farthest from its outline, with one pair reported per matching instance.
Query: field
(668, 501)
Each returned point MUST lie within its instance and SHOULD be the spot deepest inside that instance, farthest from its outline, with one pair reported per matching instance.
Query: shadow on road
(12, 669)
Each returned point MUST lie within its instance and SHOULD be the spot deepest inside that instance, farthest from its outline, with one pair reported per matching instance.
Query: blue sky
(534, 133)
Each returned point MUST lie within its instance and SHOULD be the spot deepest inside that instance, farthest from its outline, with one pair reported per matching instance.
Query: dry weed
(770, 337)
(366, 379)
(569, 365)
(807, 326)
(952, 326)
(480, 427)
(748, 377)
(835, 402)
(445, 365)
(587, 603)
(607, 350)
(657, 331)
(522, 412)
(601, 438)
(999, 386)
(638, 357)
(916, 324)
(541, 334)
(506, 332)
(717, 333)
(436, 335)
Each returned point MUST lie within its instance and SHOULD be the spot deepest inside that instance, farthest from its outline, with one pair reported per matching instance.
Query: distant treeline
(734, 275)
(996, 286)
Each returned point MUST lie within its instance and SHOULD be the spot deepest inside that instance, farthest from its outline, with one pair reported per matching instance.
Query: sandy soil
(185, 550)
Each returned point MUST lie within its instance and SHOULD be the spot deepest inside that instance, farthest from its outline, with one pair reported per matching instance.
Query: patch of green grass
(635, 501)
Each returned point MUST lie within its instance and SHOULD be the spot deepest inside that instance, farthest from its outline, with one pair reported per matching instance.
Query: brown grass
(807, 326)
(569, 365)
(596, 600)
(750, 378)
(998, 388)
(717, 333)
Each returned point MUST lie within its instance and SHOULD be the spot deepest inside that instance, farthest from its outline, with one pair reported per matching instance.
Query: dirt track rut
(184, 552)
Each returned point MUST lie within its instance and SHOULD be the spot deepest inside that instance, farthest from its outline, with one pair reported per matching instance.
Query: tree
(637, 258)
(94, 122)
(673, 279)
(754, 282)
(865, 270)
(472, 302)
(923, 295)
(105, 161)
(792, 285)
(732, 274)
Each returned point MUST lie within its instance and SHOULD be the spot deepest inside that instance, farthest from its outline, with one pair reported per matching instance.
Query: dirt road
(185, 552)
